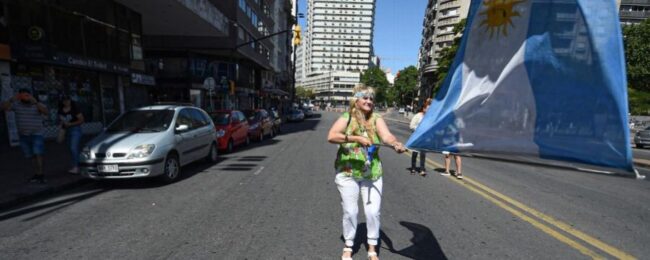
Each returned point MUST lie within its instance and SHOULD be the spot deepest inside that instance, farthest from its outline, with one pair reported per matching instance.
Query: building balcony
(635, 2)
(634, 14)
(448, 4)
(447, 22)
(200, 15)
(430, 68)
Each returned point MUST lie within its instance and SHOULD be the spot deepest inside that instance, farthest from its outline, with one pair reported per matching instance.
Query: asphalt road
(277, 200)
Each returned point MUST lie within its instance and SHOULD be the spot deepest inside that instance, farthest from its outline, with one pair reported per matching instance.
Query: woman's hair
(73, 105)
(361, 119)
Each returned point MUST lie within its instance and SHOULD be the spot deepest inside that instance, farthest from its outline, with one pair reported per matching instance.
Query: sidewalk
(392, 116)
(15, 171)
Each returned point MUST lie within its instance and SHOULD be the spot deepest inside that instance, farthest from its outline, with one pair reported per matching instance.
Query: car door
(242, 131)
(185, 139)
(203, 133)
(236, 128)
(266, 122)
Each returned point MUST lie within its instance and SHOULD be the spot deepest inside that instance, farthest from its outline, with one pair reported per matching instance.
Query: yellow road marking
(490, 195)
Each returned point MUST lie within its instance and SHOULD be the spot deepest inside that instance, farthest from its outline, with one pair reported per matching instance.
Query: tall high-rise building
(633, 11)
(440, 18)
(338, 44)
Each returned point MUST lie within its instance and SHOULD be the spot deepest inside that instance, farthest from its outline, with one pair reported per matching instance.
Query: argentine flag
(535, 78)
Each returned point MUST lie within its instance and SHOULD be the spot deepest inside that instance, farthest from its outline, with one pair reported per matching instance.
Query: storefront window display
(50, 83)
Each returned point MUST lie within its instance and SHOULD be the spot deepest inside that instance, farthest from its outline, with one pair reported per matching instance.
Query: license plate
(108, 168)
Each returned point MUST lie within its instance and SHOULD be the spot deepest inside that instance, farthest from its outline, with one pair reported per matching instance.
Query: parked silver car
(642, 138)
(150, 141)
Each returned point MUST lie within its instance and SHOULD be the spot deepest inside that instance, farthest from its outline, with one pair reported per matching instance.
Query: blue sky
(398, 31)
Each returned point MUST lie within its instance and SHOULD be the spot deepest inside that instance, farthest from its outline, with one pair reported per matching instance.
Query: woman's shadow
(424, 243)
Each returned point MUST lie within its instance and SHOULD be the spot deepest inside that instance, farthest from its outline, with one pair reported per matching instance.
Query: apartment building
(441, 16)
(338, 44)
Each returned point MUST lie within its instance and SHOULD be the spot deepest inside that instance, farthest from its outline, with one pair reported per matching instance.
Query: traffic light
(296, 35)
(231, 86)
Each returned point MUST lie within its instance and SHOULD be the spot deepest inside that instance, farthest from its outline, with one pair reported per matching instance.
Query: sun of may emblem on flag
(498, 15)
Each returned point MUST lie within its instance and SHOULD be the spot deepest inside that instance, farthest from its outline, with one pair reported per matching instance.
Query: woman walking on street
(71, 120)
(415, 121)
(358, 167)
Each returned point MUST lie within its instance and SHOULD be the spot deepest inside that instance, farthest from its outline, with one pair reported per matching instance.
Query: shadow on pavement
(50, 207)
(307, 125)
(53, 202)
(425, 245)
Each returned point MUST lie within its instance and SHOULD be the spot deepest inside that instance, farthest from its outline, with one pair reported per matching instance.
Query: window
(199, 118)
(185, 118)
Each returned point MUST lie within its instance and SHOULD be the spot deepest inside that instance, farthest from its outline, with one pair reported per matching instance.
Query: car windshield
(252, 115)
(221, 118)
(142, 121)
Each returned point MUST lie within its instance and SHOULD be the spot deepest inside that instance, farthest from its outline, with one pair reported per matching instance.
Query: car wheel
(172, 169)
(229, 147)
(213, 155)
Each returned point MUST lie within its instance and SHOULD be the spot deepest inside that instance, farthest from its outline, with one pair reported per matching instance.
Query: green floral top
(351, 157)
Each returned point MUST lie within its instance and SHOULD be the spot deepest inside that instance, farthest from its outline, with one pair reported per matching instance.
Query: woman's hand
(365, 142)
(399, 147)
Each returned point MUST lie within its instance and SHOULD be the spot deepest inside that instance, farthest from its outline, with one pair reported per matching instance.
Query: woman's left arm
(387, 137)
(80, 120)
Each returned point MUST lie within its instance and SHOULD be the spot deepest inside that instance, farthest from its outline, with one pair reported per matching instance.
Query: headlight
(221, 133)
(141, 151)
(85, 152)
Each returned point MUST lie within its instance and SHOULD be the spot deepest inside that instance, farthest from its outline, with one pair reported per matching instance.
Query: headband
(361, 94)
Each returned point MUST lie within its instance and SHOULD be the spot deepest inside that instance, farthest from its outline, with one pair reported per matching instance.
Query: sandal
(371, 254)
(346, 249)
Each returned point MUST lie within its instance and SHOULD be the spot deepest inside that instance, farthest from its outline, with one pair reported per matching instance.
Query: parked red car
(232, 128)
(260, 124)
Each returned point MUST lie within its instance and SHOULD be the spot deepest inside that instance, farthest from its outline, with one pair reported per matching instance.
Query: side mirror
(182, 128)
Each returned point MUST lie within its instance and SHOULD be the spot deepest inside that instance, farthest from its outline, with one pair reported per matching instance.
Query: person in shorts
(29, 115)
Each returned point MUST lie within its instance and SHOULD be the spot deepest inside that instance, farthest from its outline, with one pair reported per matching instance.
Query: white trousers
(371, 197)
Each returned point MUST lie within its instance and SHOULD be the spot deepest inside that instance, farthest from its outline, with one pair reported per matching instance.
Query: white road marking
(259, 170)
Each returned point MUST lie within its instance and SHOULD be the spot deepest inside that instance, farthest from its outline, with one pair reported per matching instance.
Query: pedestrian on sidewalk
(355, 131)
(29, 115)
(71, 120)
(415, 121)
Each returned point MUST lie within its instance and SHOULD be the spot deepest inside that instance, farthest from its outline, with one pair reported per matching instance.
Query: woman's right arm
(337, 134)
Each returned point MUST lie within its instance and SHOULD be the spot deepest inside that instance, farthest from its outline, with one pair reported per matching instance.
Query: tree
(376, 78)
(304, 93)
(637, 59)
(447, 55)
(405, 87)
(637, 55)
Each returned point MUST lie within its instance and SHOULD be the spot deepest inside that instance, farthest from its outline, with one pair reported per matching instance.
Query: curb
(21, 198)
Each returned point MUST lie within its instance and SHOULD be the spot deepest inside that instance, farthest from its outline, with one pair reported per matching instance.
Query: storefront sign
(143, 79)
(35, 33)
(90, 63)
